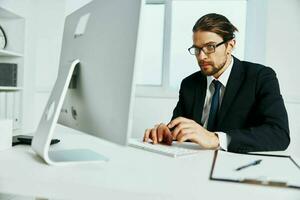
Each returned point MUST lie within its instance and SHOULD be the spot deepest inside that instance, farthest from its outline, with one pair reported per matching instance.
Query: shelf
(6, 88)
(9, 53)
(12, 96)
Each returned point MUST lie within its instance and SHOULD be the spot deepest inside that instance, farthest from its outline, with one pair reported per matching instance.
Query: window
(150, 45)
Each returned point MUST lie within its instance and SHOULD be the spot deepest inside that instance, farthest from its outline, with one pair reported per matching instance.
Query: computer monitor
(98, 50)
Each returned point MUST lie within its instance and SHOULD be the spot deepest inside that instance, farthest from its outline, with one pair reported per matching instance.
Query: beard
(214, 69)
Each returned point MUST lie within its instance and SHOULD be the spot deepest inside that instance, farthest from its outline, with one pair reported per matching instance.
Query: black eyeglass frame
(214, 45)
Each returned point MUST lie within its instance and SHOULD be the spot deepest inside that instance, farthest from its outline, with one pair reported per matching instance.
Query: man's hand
(186, 129)
(159, 134)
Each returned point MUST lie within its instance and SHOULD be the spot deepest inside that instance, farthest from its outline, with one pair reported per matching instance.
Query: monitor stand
(42, 138)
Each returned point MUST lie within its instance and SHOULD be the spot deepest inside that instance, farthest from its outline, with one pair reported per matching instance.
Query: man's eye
(210, 46)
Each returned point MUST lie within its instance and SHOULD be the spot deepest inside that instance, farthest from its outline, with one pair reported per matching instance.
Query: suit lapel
(233, 85)
(200, 93)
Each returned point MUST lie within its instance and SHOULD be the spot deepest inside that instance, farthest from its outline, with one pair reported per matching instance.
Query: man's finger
(146, 135)
(184, 135)
(153, 135)
(160, 132)
(167, 130)
(176, 121)
(179, 127)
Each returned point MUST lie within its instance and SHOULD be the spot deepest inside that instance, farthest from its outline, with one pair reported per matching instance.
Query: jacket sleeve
(272, 133)
(179, 109)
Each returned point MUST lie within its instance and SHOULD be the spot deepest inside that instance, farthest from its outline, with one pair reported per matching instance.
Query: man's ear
(231, 46)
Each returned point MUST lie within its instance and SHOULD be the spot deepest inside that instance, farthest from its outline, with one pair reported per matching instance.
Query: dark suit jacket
(252, 112)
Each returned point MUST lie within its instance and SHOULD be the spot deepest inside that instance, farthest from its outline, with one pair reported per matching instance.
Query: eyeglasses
(207, 49)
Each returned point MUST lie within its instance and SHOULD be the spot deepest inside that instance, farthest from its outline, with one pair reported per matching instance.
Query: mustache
(201, 63)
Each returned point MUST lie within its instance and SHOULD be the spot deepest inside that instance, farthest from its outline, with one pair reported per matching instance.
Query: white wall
(72, 5)
(282, 54)
(150, 111)
(283, 44)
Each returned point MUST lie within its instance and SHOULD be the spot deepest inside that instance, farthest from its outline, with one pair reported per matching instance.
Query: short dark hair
(216, 23)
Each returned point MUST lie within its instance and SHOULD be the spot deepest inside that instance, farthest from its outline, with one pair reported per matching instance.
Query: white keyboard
(175, 150)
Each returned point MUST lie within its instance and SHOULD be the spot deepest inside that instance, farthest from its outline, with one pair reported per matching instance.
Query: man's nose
(201, 55)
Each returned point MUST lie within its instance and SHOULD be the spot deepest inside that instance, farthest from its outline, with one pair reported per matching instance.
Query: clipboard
(274, 170)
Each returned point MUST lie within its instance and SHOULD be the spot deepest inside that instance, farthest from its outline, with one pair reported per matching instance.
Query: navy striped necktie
(214, 107)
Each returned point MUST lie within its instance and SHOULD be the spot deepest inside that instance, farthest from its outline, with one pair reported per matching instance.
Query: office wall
(282, 45)
(282, 54)
(150, 111)
(273, 30)
(72, 5)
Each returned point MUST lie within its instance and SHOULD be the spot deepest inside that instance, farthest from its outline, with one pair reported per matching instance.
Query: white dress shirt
(223, 137)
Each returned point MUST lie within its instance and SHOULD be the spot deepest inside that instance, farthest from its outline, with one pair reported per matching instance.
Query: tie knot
(217, 84)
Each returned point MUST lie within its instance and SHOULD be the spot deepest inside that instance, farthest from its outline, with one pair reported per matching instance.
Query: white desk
(130, 174)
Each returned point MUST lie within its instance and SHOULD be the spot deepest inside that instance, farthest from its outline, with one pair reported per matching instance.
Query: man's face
(213, 64)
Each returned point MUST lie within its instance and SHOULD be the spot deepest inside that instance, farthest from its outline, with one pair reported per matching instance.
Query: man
(230, 104)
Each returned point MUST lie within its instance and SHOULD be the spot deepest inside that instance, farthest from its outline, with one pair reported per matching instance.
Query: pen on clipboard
(256, 162)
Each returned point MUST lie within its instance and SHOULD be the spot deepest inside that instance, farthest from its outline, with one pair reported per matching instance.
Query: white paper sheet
(278, 169)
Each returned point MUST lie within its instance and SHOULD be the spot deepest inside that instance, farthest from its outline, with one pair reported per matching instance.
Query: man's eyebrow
(210, 42)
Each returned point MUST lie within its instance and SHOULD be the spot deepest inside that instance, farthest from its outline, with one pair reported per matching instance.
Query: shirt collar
(224, 76)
